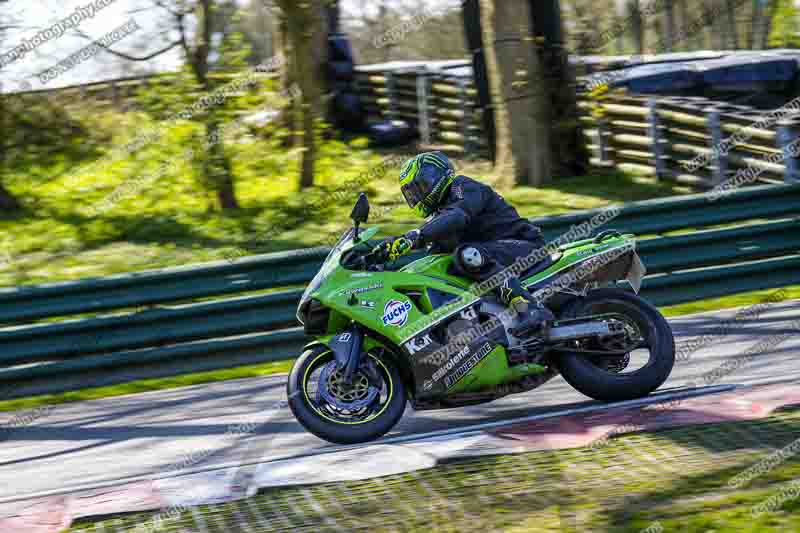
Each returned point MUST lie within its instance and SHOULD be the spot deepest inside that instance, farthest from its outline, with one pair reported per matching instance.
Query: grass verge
(671, 480)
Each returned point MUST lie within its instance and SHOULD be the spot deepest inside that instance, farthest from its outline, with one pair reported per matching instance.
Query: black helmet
(424, 179)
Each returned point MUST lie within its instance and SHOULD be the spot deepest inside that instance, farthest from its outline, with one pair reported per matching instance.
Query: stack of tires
(346, 111)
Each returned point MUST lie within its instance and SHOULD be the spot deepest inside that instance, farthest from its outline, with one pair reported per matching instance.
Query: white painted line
(657, 397)
(680, 394)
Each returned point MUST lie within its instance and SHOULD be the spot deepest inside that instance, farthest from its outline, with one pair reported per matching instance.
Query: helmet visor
(421, 186)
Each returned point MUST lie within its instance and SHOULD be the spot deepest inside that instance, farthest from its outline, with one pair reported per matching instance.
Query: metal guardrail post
(423, 118)
(599, 95)
(719, 159)
(786, 137)
(466, 115)
(655, 130)
(390, 94)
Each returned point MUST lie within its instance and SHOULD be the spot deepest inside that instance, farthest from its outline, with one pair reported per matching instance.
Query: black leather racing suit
(473, 214)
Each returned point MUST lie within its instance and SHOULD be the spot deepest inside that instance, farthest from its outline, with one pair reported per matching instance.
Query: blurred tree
(305, 46)
(407, 30)
(634, 14)
(669, 27)
(257, 26)
(8, 201)
(785, 32)
(199, 28)
(731, 31)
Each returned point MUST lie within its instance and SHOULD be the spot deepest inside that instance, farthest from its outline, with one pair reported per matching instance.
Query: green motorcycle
(387, 334)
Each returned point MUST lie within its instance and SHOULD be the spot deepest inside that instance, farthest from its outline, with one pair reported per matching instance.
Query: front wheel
(346, 414)
(647, 338)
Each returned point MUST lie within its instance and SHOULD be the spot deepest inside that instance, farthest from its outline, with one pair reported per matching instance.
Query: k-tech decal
(395, 313)
(418, 344)
(468, 365)
(468, 314)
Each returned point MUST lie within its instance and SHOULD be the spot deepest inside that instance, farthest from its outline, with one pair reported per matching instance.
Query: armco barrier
(72, 354)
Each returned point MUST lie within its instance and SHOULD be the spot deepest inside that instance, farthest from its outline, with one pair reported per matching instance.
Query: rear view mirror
(360, 212)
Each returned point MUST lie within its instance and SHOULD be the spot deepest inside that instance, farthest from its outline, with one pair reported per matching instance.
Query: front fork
(347, 347)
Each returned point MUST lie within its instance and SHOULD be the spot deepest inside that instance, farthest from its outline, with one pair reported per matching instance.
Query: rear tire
(590, 379)
(317, 421)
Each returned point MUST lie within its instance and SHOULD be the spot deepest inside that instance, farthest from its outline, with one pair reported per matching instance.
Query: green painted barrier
(191, 337)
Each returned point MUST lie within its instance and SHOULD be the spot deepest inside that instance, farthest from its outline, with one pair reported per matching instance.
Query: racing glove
(396, 248)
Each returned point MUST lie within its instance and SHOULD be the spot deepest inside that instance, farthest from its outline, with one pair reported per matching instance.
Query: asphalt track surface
(142, 436)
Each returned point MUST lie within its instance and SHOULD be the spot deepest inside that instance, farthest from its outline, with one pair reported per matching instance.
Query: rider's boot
(534, 318)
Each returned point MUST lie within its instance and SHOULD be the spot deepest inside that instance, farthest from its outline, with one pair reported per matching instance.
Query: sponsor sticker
(468, 365)
(418, 344)
(469, 313)
(359, 290)
(395, 313)
(369, 304)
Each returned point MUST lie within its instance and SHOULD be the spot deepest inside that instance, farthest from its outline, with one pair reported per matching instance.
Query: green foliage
(785, 27)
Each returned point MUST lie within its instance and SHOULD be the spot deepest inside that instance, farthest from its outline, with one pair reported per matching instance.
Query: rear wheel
(647, 343)
(346, 414)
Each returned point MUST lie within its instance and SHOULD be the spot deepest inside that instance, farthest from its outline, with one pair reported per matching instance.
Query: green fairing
(375, 290)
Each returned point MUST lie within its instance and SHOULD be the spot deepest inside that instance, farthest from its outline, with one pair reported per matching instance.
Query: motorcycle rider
(484, 232)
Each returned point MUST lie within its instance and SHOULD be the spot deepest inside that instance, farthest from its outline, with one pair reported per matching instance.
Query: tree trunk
(568, 154)
(691, 40)
(7, 200)
(306, 29)
(216, 165)
(718, 27)
(755, 24)
(732, 36)
(510, 164)
(637, 26)
(669, 27)
(766, 23)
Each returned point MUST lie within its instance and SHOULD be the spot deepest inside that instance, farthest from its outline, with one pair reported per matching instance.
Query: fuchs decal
(395, 313)
(418, 344)
(468, 365)
(359, 290)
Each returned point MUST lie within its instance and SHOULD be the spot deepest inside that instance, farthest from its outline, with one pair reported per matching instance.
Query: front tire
(325, 413)
(592, 377)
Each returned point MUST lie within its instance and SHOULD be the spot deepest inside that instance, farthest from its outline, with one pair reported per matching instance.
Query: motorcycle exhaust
(581, 330)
